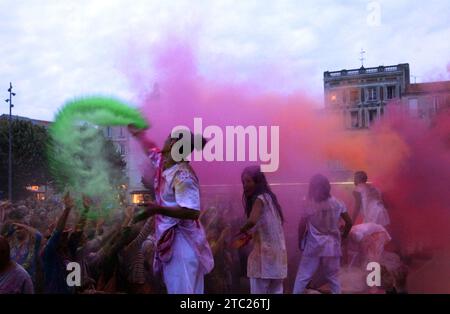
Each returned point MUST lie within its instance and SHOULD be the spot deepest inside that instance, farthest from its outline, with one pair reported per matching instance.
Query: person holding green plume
(182, 254)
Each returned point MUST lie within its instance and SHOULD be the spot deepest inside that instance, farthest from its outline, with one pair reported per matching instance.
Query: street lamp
(10, 141)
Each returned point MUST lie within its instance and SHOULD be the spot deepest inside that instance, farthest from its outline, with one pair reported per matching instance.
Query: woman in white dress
(267, 262)
(320, 235)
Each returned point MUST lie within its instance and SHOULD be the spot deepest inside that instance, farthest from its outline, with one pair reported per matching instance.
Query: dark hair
(319, 188)
(5, 256)
(192, 141)
(361, 175)
(261, 187)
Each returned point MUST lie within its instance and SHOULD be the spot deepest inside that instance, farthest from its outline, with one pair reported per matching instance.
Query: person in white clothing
(320, 235)
(368, 202)
(267, 262)
(182, 251)
(369, 237)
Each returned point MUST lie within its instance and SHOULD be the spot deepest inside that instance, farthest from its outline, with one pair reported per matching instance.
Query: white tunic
(372, 207)
(179, 186)
(268, 259)
(323, 237)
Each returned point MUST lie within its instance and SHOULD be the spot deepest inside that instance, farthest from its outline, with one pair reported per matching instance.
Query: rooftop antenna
(415, 78)
(362, 52)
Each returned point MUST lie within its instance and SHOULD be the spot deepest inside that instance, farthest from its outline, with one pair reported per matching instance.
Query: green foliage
(28, 155)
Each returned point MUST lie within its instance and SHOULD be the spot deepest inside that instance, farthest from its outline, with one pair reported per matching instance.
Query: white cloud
(55, 49)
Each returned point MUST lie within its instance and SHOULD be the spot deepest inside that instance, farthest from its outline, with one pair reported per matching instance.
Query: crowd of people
(170, 246)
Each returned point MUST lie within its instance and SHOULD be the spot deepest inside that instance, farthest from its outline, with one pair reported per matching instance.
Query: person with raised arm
(183, 255)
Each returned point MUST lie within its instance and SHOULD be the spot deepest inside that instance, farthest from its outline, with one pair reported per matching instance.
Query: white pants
(266, 286)
(183, 274)
(309, 265)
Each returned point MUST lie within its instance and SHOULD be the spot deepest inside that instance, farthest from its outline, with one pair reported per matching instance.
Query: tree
(29, 166)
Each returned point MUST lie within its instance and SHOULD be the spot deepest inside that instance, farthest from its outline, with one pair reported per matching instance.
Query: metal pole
(10, 154)
(10, 142)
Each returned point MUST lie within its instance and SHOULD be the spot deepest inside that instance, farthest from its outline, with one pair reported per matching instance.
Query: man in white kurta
(372, 234)
(369, 202)
(182, 253)
(191, 256)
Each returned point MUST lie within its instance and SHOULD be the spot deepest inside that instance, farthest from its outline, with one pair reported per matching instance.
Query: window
(137, 198)
(372, 93)
(108, 131)
(40, 196)
(413, 107)
(373, 115)
(391, 92)
(140, 198)
(435, 106)
(335, 165)
(354, 120)
(354, 96)
(333, 97)
(122, 149)
(121, 131)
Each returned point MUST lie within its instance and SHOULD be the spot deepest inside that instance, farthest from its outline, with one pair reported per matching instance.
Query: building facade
(426, 100)
(121, 139)
(361, 95)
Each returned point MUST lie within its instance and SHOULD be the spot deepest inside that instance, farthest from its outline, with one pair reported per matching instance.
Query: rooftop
(34, 121)
(429, 87)
(365, 71)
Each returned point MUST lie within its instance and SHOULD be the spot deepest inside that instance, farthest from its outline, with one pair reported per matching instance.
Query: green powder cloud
(79, 160)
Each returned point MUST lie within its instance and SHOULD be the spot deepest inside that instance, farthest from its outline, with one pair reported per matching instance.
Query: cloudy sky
(53, 50)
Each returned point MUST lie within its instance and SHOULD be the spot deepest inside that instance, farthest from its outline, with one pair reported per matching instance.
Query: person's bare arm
(219, 244)
(223, 235)
(348, 224)
(255, 215)
(173, 211)
(301, 229)
(83, 218)
(144, 232)
(68, 205)
(129, 211)
(32, 231)
(357, 197)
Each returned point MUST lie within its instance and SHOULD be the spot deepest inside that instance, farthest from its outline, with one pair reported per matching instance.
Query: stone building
(426, 100)
(121, 139)
(361, 95)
